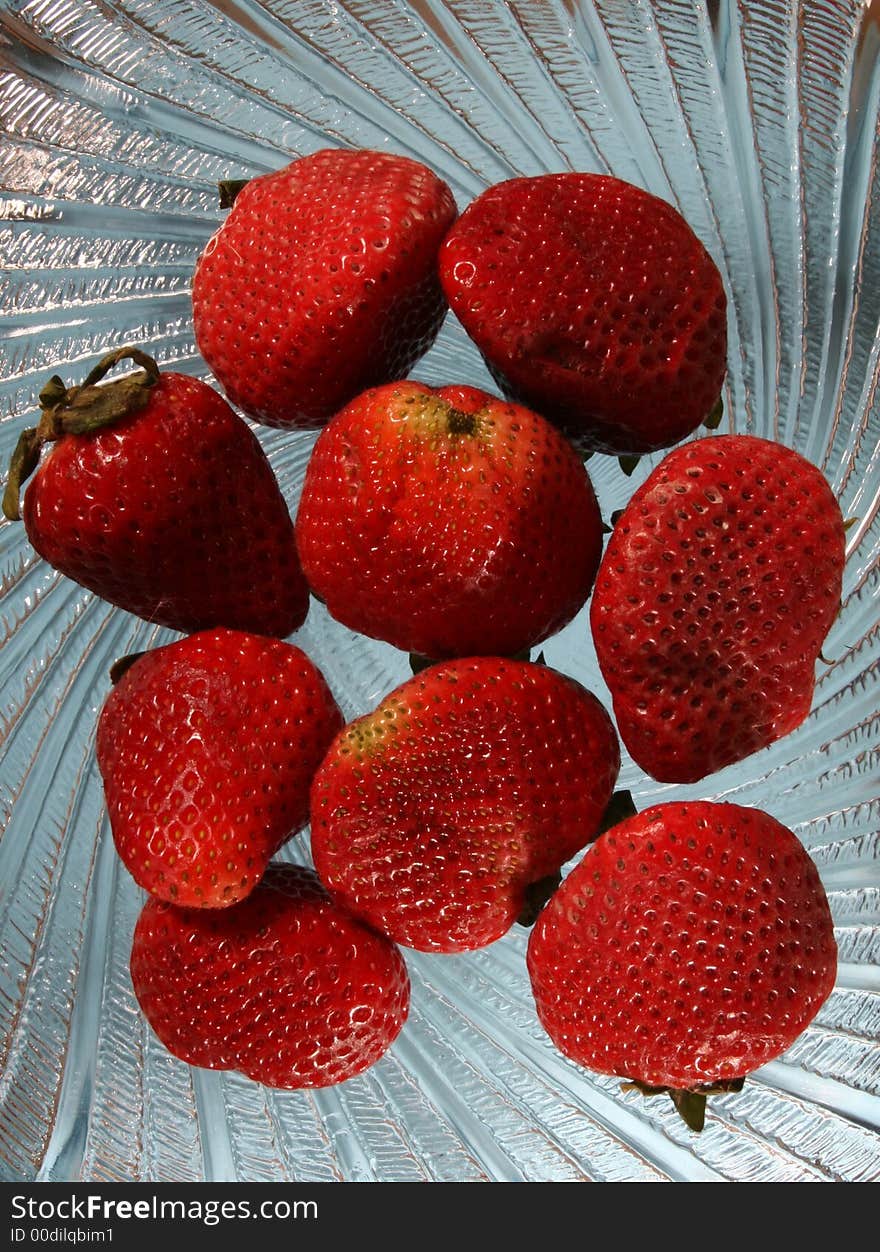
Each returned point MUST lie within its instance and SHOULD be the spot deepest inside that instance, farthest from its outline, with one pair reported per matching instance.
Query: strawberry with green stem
(448, 522)
(692, 944)
(445, 814)
(321, 282)
(152, 493)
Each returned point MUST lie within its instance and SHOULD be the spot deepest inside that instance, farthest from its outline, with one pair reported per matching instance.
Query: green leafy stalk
(536, 896)
(417, 662)
(78, 411)
(228, 190)
(716, 413)
(25, 460)
(123, 665)
(620, 807)
(690, 1103)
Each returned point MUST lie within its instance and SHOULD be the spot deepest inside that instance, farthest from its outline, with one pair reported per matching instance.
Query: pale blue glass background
(759, 121)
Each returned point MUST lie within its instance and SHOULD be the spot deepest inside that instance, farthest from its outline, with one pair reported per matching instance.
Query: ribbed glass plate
(759, 121)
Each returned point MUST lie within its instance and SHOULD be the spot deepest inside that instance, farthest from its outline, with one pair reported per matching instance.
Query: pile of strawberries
(692, 942)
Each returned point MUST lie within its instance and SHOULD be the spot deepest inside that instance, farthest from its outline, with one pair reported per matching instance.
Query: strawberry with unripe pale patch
(439, 816)
(207, 748)
(285, 987)
(447, 522)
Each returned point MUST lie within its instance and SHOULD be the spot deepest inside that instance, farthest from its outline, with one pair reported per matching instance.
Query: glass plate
(759, 121)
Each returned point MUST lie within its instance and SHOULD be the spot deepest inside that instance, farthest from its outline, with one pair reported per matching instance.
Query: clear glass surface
(758, 120)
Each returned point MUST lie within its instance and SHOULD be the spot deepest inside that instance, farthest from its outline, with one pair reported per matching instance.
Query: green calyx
(417, 662)
(620, 807)
(25, 460)
(123, 665)
(716, 413)
(78, 411)
(437, 420)
(459, 423)
(614, 519)
(228, 189)
(537, 894)
(690, 1103)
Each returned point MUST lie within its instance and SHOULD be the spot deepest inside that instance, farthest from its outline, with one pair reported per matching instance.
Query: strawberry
(720, 581)
(207, 749)
(593, 302)
(447, 522)
(437, 817)
(322, 281)
(286, 986)
(156, 496)
(692, 944)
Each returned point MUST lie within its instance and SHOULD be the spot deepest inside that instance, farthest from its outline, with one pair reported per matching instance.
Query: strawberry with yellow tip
(440, 816)
(448, 522)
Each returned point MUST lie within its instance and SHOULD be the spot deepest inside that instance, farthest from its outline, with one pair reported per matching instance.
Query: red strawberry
(322, 281)
(159, 498)
(720, 581)
(207, 748)
(434, 816)
(447, 522)
(692, 944)
(593, 302)
(286, 987)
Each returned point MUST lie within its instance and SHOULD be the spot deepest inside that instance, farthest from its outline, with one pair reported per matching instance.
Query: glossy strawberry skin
(173, 514)
(447, 522)
(207, 748)
(432, 815)
(286, 987)
(720, 581)
(594, 303)
(322, 282)
(692, 944)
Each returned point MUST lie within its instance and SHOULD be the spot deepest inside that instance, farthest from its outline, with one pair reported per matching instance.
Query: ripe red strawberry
(447, 522)
(593, 302)
(286, 987)
(692, 944)
(322, 281)
(719, 583)
(160, 499)
(207, 748)
(436, 816)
